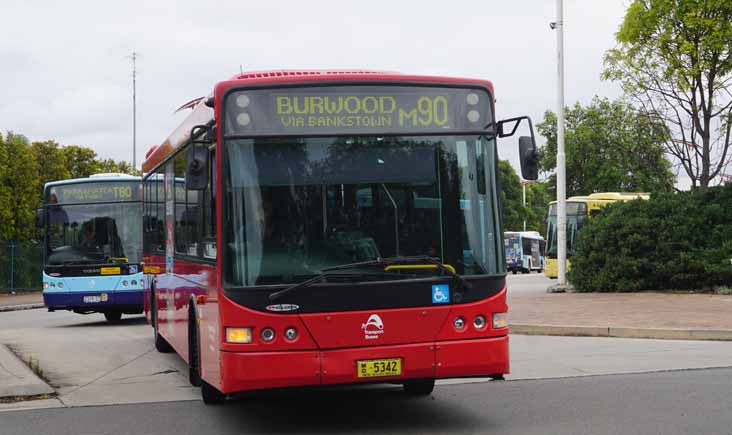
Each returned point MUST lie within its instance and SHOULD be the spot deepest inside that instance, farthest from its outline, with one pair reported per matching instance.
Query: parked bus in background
(328, 230)
(579, 208)
(93, 245)
(524, 251)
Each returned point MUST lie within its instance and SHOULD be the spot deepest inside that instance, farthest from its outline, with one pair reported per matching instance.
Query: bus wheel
(113, 316)
(514, 271)
(210, 394)
(419, 387)
(194, 353)
(161, 344)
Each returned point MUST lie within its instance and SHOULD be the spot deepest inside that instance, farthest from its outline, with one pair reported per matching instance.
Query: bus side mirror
(197, 168)
(39, 218)
(529, 158)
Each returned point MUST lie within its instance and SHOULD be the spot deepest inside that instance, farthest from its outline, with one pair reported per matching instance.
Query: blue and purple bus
(93, 245)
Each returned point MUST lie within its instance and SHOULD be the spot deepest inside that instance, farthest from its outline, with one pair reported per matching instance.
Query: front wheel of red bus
(161, 344)
(210, 394)
(419, 387)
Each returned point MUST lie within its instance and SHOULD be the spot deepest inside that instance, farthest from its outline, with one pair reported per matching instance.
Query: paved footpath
(20, 301)
(633, 315)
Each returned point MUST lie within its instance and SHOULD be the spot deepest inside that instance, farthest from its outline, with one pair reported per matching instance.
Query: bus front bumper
(99, 301)
(242, 371)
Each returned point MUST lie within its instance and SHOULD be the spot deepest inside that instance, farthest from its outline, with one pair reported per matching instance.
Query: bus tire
(161, 344)
(419, 387)
(210, 394)
(194, 350)
(113, 316)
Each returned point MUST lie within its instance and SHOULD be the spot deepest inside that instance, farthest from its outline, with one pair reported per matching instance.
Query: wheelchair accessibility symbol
(440, 294)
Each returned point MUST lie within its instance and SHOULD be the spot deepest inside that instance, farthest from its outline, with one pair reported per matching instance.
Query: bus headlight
(267, 334)
(290, 333)
(60, 285)
(238, 335)
(458, 323)
(500, 320)
(479, 322)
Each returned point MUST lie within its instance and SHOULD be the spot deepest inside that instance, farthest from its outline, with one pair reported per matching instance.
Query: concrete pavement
(90, 362)
(17, 379)
(21, 301)
(629, 315)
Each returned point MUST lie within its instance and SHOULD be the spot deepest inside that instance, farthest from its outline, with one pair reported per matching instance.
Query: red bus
(306, 228)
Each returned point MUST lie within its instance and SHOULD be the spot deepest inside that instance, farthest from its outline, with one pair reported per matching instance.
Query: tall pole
(561, 174)
(523, 201)
(134, 110)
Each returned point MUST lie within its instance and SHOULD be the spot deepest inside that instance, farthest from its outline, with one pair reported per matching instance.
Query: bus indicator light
(500, 320)
(239, 335)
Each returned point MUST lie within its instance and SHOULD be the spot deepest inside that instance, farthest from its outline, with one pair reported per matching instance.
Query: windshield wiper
(328, 274)
(379, 262)
(390, 261)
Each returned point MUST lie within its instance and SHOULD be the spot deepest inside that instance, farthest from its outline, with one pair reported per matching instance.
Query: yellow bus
(579, 208)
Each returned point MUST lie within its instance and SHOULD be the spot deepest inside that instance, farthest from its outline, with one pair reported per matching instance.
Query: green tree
(513, 211)
(50, 164)
(80, 161)
(111, 165)
(538, 196)
(674, 58)
(610, 146)
(19, 196)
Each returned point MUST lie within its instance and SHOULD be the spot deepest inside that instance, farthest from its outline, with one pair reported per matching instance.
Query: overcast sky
(66, 74)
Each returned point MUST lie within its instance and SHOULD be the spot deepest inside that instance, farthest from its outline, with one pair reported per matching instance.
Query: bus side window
(209, 210)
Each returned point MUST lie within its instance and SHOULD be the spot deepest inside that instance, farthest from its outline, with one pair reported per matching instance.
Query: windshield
(513, 247)
(576, 213)
(93, 233)
(294, 206)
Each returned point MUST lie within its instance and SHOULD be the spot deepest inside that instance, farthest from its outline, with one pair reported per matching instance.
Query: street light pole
(134, 110)
(523, 200)
(561, 174)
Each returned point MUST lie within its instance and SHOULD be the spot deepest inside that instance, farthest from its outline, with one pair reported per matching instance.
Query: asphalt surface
(683, 402)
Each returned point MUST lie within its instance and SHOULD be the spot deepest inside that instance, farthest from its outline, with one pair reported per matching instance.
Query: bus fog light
(500, 320)
(238, 335)
(267, 334)
(458, 323)
(479, 322)
(290, 333)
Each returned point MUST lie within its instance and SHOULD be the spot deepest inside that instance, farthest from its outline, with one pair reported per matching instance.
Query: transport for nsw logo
(373, 327)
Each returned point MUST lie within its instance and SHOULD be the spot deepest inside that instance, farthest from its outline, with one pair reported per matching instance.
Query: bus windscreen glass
(93, 222)
(293, 206)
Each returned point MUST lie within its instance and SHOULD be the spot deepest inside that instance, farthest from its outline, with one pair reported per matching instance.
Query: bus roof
(94, 178)
(204, 115)
(608, 197)
(528, 234)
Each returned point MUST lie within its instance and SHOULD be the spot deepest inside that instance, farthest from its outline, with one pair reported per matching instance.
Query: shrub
(674, 241)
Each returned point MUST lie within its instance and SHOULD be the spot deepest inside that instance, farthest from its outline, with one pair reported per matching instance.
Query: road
(689, 402)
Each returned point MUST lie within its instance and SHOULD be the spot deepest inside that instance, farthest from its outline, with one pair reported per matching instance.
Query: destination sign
(357, 110)
(81, 193)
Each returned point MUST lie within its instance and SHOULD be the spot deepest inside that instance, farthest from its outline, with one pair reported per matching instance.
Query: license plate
(379, 367)
(96, 299)
(110, 271)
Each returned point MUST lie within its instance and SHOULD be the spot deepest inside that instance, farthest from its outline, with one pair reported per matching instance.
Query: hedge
(674, 241)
